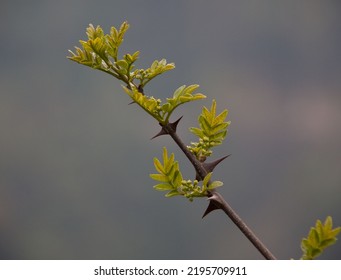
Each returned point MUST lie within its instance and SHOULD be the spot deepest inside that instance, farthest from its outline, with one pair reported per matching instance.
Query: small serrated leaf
(197, 131)
(114, 33)
(207, 179)
(166, 107)
(169, 163)
(213, 109)
(158, 166)
(159, 177)
(154, 66)
(218, 127)
(165, 156)
(205, 125)
(219, 136)
(184, 99)
(335, 231)
(220, 118)
(190, 89)
(328, 224)
(305, 244)
(327, 242)
(314, 237)
(206, 114)
(169, 66)
(319, 227)
(198, 96)
(177, 178)
(162, 62)
(122, 64)
(178, 92)
(215, 184)
(163, 187)
(172, 193)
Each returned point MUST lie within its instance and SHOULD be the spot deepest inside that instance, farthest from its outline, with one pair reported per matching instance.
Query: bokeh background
(75, 159)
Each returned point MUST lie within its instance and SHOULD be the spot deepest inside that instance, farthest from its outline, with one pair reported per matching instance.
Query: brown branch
(215, 198)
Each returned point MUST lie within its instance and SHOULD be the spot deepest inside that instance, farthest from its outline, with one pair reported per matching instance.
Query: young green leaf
(100, 51)
(207, 179)
(182, 95)
(160, 177)
(148, 103)
(171, 179)
(163, 187)
(158, 166)
(215, 184)
(172, 193)
(212, 131)
(157, 68)
(93, 32)
(319, 238)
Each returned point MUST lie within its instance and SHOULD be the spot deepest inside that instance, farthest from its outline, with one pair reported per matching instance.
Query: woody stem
(217, 199)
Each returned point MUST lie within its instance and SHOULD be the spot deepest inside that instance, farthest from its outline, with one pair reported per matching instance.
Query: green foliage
(171, 179)
(319, 238)
(180, 96)
(162, 111)
(157, 68)
(212, 131)
(100, 52)
(148, 103)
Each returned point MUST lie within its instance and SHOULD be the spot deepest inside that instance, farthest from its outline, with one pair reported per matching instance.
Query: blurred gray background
(75, 159)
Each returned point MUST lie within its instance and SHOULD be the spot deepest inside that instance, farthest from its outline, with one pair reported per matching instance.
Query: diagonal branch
(220, 203)
(216, 199)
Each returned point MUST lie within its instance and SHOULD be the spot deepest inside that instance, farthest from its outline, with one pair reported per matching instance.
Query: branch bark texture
(216, 201)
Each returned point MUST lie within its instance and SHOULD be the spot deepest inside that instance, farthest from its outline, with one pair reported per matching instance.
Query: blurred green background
(75, 158)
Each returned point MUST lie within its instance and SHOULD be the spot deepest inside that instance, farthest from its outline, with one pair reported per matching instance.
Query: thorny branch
(216, 201)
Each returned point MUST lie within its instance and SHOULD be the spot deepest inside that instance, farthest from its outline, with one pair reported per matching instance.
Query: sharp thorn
(174, 125)
(162, 132)
(215, 203)
(171, 125)
(209, 166)
(211, 207)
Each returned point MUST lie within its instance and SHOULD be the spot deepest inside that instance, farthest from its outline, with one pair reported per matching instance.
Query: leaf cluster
(319, 238)
(171, 179)
(211, 132)
(162, 111)
(100, 52)
(157, 68)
